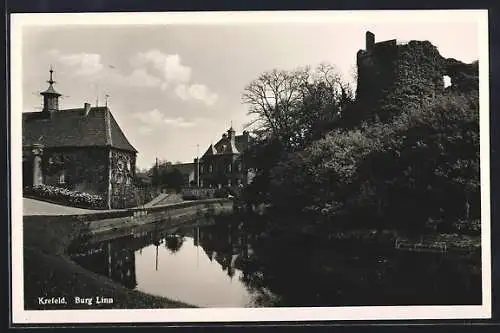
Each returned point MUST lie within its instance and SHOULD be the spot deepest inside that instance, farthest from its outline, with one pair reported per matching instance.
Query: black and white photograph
(250, 166)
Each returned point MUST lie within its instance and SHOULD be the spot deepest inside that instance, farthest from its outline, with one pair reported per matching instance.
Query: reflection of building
(222, 164)
(81, 149)
(222, 244)
(121, 265)
(114, 260)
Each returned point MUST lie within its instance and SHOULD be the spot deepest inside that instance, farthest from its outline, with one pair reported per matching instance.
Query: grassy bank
(48, 272)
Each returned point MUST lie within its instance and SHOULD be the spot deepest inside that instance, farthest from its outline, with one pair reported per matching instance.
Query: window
(62, 177)
(210, 168)
(446, 81)
(201, 168)
(229, 182)
(238, 166)
(229, 167)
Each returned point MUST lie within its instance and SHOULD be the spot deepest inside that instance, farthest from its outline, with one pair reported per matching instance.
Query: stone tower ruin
(392, 76)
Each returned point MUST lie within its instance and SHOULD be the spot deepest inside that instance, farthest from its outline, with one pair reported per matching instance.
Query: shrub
(65, 196)
(470, 227)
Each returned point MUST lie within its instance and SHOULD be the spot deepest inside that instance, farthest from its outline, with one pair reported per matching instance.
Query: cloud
(178, 122)
(141, 78)
(197, 92)
(154, 119)
(169, 65)
(83, 64)
(174, 75)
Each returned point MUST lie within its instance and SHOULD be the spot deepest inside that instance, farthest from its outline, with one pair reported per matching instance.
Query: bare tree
(286, 103)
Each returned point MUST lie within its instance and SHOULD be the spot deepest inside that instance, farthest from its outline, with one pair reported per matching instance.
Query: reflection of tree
(174, 242)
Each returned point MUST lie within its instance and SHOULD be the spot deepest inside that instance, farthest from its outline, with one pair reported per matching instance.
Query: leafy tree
(424, 164)
(174, 242)
(292, 109)
(173, 179)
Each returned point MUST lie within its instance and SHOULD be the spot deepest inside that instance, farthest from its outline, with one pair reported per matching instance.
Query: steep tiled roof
(50, 91)
(240, 144)
(210, 151)
(225, 146)
(72, 128)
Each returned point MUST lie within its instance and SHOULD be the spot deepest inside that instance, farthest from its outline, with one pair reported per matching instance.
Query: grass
(48, 272)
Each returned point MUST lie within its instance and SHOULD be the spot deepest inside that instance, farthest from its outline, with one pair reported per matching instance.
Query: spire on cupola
(50, 96)
(231, 135)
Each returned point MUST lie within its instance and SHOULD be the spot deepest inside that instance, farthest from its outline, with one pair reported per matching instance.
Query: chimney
(370, 41)
(86, 107)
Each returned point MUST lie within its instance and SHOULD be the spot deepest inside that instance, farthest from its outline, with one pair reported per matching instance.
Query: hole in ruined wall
(446, 81)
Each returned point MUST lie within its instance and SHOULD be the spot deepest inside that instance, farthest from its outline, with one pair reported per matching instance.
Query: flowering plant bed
(65, 197)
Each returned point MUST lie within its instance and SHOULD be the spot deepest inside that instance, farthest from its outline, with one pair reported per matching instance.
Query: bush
(65, 196)
(470, 227)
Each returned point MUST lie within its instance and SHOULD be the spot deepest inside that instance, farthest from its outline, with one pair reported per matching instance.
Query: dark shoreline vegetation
(49, 272)
(404, 158)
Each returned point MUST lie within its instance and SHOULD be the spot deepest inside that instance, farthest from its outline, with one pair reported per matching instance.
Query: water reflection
(232, 262)
(115, 260)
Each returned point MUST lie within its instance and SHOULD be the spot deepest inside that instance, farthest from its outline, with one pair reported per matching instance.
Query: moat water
(222, 262)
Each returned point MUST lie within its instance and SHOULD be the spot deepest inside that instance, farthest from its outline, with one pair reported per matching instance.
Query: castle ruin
(394, 75)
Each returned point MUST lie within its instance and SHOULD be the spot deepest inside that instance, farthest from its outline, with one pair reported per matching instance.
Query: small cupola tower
(50, 96)
(231, 133)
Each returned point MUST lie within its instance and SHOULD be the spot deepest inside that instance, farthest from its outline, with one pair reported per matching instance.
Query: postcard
(250, 166)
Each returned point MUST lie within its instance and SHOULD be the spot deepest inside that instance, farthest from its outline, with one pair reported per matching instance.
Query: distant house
(80, 149)
(222, 164)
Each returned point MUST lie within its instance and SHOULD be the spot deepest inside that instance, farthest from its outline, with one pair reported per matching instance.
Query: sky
(172, 87)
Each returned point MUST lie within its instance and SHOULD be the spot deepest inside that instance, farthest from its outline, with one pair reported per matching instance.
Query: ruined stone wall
(392, 77)
(377, 71)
